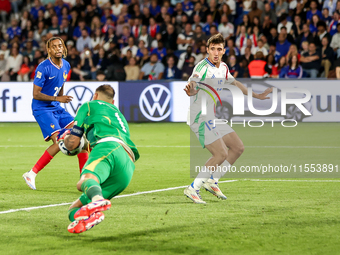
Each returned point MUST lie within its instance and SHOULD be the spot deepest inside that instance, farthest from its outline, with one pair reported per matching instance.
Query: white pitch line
(188, 146)
(127, 195)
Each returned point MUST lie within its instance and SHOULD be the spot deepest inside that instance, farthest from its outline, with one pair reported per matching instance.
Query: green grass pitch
(266, 216)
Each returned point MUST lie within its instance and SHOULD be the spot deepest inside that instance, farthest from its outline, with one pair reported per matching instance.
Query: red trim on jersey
(55, 64)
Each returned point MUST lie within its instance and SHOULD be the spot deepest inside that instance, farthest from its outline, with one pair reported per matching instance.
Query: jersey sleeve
(40, 76)
(81, 115)
(197, 73)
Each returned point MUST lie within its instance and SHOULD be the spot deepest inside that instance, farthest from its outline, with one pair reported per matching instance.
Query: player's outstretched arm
(261, 96)
(37, 95)
(191, 89)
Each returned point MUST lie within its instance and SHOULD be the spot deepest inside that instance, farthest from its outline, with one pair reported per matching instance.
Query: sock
(91, 189)
(71, 213)
(42, 162)
(225, 167)
(82, 158)
(201, 178)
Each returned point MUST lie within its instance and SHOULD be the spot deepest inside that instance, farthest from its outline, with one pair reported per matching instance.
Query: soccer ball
(82, 145)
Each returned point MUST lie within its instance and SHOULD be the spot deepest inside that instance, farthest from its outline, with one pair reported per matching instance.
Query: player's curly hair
(216, 39)
(48, 45)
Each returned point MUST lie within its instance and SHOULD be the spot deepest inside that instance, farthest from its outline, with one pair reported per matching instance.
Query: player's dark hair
(216, 39)
(107, 90)
(48, 45)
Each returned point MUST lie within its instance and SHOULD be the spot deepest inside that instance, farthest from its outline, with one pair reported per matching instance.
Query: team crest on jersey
(39, 75)
(65, 75)
(52, 126)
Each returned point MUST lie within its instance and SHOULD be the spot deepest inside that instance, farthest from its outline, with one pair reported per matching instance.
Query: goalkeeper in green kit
(110, 166)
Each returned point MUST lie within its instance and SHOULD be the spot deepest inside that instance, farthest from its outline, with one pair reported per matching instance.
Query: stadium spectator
(37, 6)
(126, 58)
(97, 40)
(144, 36)
(184, 58)
(306, 35)
(335, 43)
(152, 70)
(171, 71)
(213, 30)
(100, 61)
(334, 22)
(281, 8)
(198, 37)
(154, 43)
(258, 68)
(25, 69)
(327, 55)
(160, 50)
(325, 16)
(260, 47)
(244, 72)
(246, 6)
(196, 22)
(184, 39)
(123, 39)
(5, 50)
(225, 10)
(255, 11)
(30, 38)
(322, 31)
(145, 58)
(65, 28)
(153, 28)
(313, 11)
(245, 22)
(289, 37)
(272, 65)
(2, 63)
(282, 45)
(165, 23)
(13, 64)
(202, 54)
(136, 29)
(233, 66)
(313, 27)
(77, 32)
(226, 28)
(146, 16)
(188, 68)
(310, 61)
(131, 46)
(297, 27)
(132, 70)
(116, 7)
(301, 12)
(74, 59)
(28, 50)
(268, 11)
(281, 64)
(329, 5)
(241, 39)
(87, 69)
(267, 25)
(84, 41)
(13, 30)
(110, 39)
(285, 23)
(293, 70)
(272, 38)
(231, 47)
(293, 51)
(265, 41)
(208, 24)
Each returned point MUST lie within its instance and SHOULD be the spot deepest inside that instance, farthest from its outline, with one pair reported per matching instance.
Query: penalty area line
(120, 196)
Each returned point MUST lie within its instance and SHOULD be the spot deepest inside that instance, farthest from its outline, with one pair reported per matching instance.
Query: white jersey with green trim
(207, 73)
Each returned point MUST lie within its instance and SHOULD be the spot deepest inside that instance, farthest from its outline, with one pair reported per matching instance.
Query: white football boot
(213, 188)
(194, 195)
(29, 178)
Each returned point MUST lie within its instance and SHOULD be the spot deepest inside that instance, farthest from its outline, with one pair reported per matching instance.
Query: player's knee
(221, 156)
(239, 149)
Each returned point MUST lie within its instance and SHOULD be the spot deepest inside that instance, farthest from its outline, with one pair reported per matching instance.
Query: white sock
(31, 172)
(224, 168)
(201, 178)
(96, 198)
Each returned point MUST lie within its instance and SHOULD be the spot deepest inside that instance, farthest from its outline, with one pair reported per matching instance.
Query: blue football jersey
(51, 79)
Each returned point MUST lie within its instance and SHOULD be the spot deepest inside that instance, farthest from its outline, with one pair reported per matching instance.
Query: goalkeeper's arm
(72, 140)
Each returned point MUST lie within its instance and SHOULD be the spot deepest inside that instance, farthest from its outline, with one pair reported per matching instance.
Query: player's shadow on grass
(150, 240)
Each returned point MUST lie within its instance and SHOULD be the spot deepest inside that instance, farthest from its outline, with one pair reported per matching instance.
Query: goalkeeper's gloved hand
(62, 134)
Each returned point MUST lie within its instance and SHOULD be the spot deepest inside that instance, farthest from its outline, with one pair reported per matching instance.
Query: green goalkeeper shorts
(111, 164)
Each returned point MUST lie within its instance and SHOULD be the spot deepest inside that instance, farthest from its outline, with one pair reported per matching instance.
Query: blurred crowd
(151, 39)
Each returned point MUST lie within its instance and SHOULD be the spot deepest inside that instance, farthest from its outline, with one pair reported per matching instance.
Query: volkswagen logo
(154, 102)
(80, 94)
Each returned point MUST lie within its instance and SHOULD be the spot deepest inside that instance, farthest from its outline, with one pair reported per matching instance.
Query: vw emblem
(155, 97)
(80, 94)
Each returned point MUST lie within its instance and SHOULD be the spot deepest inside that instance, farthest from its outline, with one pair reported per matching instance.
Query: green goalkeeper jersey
(102, 120)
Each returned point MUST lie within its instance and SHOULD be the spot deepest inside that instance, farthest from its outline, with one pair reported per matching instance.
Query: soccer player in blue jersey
(48, 85)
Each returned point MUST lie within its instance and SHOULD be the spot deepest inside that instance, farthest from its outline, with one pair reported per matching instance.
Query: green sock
(71, 213)
(91, 188)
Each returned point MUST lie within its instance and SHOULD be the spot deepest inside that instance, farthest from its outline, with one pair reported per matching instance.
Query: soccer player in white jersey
(222, 141)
